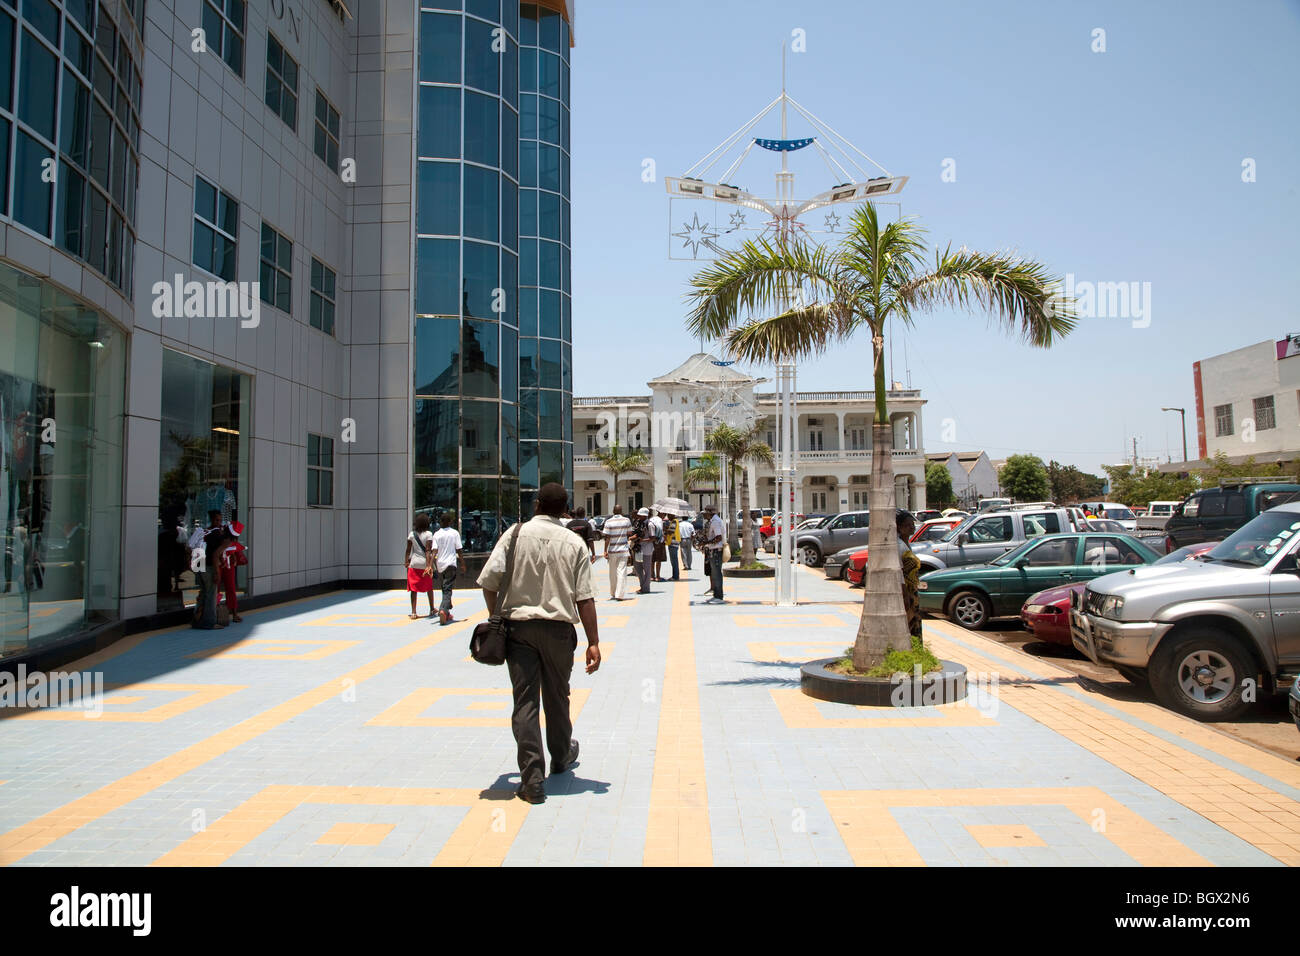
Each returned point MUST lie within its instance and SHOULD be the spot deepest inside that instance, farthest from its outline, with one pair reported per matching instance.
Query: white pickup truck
(1158, 513)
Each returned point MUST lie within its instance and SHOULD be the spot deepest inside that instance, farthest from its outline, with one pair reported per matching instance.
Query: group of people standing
(221, 554)
(430, 553)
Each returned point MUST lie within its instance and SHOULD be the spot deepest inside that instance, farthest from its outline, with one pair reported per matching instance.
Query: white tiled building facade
(834, 432)
(1248, 402)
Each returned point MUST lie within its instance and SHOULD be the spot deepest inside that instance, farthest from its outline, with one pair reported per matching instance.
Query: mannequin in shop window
(218, 496)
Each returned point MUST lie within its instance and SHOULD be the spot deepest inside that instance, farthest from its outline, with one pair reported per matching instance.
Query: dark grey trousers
(539, 655)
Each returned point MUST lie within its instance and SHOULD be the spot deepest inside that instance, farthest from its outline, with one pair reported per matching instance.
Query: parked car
(988, 504)
(810, 521)
(1294, 703)
(1215, 513)
(926, 514)
(933, 530)
(837, 565)
(1205, 632)
(1046, 615)
(982, 537)
(1113, 511)
(973, 595)
(814, 544)
(1157, 513)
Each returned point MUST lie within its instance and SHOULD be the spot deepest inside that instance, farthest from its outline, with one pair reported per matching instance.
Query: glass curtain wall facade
(466, 381)
(62, 390)
(545, 310)
(70, 127)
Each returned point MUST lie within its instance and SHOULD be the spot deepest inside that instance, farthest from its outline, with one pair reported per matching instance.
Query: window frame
(220, 48)
(1261, 405)
(316, 471)
(1223, 424)
(278, 77)
(218, 230)
(335, 137)
(275, 267)
(324, 297)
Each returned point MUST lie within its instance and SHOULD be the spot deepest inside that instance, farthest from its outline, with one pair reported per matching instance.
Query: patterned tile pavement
(334, 731)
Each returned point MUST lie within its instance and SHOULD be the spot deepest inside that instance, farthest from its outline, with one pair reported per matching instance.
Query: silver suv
(982, 537)
(842, 531)
(1211, 633)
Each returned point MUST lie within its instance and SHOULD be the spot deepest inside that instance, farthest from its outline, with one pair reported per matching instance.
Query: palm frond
(1019, 293)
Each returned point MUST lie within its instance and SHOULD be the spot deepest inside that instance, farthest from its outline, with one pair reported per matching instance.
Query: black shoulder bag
(487, 644)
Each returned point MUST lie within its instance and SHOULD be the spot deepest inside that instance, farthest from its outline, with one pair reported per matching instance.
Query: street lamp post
(1183, 414)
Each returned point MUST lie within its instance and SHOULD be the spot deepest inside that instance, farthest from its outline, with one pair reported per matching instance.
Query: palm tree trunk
(883, 626)
(746, 528)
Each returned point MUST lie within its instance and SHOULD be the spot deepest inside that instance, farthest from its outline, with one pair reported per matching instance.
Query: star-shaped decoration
(832, 222)
(737, 219)
(696, 234)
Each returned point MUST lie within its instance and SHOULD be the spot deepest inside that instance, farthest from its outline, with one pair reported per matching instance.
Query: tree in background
(1024, 478)
(938, 486)
(1069, 484)
(1141, 489)
(1220, 469)
(618, 461)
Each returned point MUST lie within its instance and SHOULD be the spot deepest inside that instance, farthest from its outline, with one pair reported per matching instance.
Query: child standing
(419, 569)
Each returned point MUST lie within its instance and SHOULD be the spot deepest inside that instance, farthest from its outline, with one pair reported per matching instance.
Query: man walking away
(685, 532)
(656, 526)
(550, 590)
(715, 535)
(449, 554)
(580, 526)
(616, 532)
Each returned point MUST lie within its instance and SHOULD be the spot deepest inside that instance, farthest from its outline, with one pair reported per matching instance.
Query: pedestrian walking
(673, 539)
(616, 532)
(419, 566)
(643, 542)
(580, 526)
(205, 606)
(233, 556)
(550, 591)
(449, 555)
(656, 526)
(715, 538)
(686, 533)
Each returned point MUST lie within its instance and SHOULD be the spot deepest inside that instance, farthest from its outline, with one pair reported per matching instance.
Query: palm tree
(741, 446)
(705, 472)
(618, 461)
(823, 297)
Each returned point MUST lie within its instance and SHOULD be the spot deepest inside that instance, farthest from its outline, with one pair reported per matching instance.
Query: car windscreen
(1119, 514)
(1014, 554)
(1256, 542)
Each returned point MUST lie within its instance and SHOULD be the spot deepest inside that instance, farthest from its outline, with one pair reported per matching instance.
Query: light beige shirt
(552, 572)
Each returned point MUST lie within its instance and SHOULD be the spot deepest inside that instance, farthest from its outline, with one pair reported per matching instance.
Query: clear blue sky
(1115, 166)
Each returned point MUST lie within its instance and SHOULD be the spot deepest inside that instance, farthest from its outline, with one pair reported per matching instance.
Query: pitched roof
(702, 367)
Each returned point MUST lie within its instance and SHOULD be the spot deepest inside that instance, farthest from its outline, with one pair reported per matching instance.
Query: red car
(1046, 615)
(931, 530)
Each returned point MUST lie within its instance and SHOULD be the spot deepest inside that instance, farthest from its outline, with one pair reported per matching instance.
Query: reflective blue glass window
(482, 198)
(550, 316)
(566, 369)
(548, 216)
(550, 365)
(481, 280)
(509, 442)
(482, 128)
(548, 264)
(436, 495)
(548, 74)
(438, 199)
(482, 62)
(564, 228)
(509, 143)
(75, 134)
(527, 262)
(528, 363)
(6, 61)
(480, 359)
(32, 195)
(439, 122)
(37, 86)
(44, 16)
(509, 364)
(566, 311)
(527, 163)
(528, 116)
(550, 455)
(548, 119)
(437, 356)
(548, 167)
(437, 280)
(509, 214)
(527, 463)
(527, 212)
(527, 414)
(437, 435)
(480, 439)
(510, 73)
(510, 17)
(528, 24)
(548, 30)
(487, 9)
(564, 268)
(527, 70)
(510, 286)
(439, 48)
(527, 310)
(70, 210)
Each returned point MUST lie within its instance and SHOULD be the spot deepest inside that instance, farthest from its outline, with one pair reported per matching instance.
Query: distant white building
(1248, 402)
(974, 476)
(834, 432)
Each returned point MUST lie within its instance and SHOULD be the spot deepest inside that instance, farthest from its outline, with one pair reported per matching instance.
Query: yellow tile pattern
(677, 833)
(482, 839)
(996, 835)
(1254, 812)
(197, 696)
(800, 712)
(41, 832)
(409, 711)
(874, 838)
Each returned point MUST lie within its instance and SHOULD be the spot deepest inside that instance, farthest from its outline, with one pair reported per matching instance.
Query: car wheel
(844, 572)
(1134, 675)
(812, 555)
(1201, 673)
(970, 609)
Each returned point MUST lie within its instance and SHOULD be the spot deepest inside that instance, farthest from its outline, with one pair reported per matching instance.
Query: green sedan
(973, 595)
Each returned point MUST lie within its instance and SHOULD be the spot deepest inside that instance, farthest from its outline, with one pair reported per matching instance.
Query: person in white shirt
(686, 531)
(450, 556)
(419, 567)
(715, 536)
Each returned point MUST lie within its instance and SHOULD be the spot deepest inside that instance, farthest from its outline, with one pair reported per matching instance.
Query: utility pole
(1135, 454)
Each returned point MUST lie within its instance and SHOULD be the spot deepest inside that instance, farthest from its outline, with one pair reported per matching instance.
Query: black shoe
(569, 761)
(531, 796)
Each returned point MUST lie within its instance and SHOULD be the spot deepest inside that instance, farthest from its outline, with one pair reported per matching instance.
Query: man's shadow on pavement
(556, 785)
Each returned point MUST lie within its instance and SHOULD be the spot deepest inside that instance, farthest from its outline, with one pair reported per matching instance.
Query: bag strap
(510, 567)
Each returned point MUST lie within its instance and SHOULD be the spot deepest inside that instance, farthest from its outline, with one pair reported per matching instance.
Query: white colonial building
(670, 423)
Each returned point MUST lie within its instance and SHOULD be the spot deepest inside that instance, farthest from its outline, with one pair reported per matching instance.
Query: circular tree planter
(944, 686)
(767, 572)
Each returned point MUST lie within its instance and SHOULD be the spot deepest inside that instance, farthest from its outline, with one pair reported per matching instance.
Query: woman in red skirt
(419, 566)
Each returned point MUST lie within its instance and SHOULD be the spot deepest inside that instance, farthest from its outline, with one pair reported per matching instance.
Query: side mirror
(1287, 565)
(962, 538)
(1022, 563)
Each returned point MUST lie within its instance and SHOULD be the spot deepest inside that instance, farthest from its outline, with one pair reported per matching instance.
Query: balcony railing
(855, 454)
(770, 397)
(613, 400)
